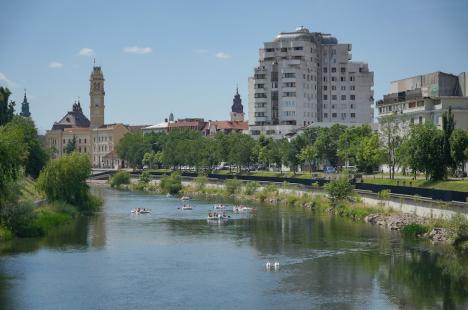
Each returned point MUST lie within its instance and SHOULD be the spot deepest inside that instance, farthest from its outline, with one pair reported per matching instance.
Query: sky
(186, 57)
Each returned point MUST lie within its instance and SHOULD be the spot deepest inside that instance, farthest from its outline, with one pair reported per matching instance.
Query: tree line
(421, 148)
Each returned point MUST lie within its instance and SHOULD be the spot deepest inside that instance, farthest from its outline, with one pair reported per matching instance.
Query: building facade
(424, 99)
(92, 137)
(304, 78)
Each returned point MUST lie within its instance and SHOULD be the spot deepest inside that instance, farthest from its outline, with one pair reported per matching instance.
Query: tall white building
(304, 78)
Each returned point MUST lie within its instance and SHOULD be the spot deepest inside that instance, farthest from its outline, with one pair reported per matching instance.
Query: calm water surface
(174, 259)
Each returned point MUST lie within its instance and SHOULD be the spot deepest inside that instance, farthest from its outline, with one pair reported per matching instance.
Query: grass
(28, 190)
(453, 185)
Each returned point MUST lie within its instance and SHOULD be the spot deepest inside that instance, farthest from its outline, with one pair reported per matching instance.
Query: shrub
(292, 200)
(145, 177)
(121, 177)
(171, 184)
(19, 219)
(414, 230)
(232, 186)
(200, 182)
(65, 179)
(339, 189)
(251, 187)
(47, 219)
(5, 234)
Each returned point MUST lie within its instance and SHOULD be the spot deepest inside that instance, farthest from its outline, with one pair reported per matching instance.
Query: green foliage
(251, 187)
(133, 147)
(349, 143)
(36, 157)
(71, 146)
(64, 179)
(393, 131)
(120, 178)
(448, 126)
(369, 153)
(200, 182)
(7, 109)
(459, 148)
(20, 219)
(327, 143)
(415, 230)
(171, 184)
(153, 159)
(384, 194)
(309, 155)
(232, 186)
(145, 177)
(5, 234)
(47, 219)
(339, 190)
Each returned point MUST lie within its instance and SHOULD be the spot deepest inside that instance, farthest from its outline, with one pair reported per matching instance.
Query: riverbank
(436, 227)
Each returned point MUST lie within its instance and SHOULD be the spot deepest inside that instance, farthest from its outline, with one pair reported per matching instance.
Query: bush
(47, 219)
(91, 204)
(232, 186)
(20, 219)
(339, 189)
(171, 184)
(251, 187)
(200, 182)
(5, 234)
(145, 177)
(120, 178)
(292, 199)
(414, 230)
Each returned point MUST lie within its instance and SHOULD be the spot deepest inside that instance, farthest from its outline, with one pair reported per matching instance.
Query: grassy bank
(453, 185)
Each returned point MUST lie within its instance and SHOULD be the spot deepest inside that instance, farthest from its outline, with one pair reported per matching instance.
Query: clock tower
(96, 96)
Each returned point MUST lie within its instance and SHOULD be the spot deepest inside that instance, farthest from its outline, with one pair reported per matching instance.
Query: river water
(173, 259)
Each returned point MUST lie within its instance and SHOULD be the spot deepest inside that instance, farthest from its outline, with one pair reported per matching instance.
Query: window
(325, 115)
(325, 97)
(79, 140)
(324, 78)
(85, 140)
(353, 115)
(343, 87)
(343, 70)
(333, 97)
(333, 87)
(342, 78)
(333, 78)
(298, 48)
(325, 87)
(420, 120)
(259, 114)
(352, 107)
(284, 49)
(352, 87)
(352, 97)
(289, 94)
(259, 86)
(289, 84)
(260, 95)
(259, 76)
(351, 78)
(333, 70)
(333, 106)
(334, 115)
(270, 49)
(343, 97)
(289, 75)
(325, 69)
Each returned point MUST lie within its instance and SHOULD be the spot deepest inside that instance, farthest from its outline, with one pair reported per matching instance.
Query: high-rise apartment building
(304, 78)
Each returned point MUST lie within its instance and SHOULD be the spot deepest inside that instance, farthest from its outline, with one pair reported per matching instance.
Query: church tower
(96, 96)
(237, 109)
(25, 106)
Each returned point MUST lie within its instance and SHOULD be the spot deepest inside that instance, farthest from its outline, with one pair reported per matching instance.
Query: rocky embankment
(398, 221)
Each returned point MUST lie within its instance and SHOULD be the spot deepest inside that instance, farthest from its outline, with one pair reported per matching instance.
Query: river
(173, 259)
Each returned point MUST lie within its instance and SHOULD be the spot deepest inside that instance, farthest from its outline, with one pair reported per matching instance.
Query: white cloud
(86, 51)
(56, 65)
(137, 50)
(222, 55)
(6, 81)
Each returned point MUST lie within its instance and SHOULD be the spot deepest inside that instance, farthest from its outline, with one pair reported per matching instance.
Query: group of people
(215, 214)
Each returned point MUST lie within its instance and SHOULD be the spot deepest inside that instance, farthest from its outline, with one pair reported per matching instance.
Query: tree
(37, 156)
(349, 142)
(459, 148)
(120, 178)
(369, 154)
(152, 159)
(448, 125)
(171, 184)
(327, 143)
(309, 155)
(7, 109)
(426, 154)
(132, 148)
(392, 133)
(13, 152)
(64, 179)
(71, 146)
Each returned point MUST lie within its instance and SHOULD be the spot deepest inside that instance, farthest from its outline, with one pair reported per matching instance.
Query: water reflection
(326, 262)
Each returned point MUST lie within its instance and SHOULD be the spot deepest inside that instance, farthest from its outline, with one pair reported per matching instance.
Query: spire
(94, 62)
(237, 88)
(25, 106)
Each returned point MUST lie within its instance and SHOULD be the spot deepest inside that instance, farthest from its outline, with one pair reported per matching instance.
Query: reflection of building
(94, 137)
(424, 98)
(304, 78)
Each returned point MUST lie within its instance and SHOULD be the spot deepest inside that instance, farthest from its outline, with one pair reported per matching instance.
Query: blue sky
(186, 57)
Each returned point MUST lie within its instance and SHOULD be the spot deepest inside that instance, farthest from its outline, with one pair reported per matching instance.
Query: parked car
(329, 170)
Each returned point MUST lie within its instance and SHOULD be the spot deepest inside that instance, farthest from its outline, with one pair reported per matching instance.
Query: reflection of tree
(97, 231)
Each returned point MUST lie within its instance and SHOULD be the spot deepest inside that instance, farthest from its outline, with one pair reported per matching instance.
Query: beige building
(424, 99)
(94, 138)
